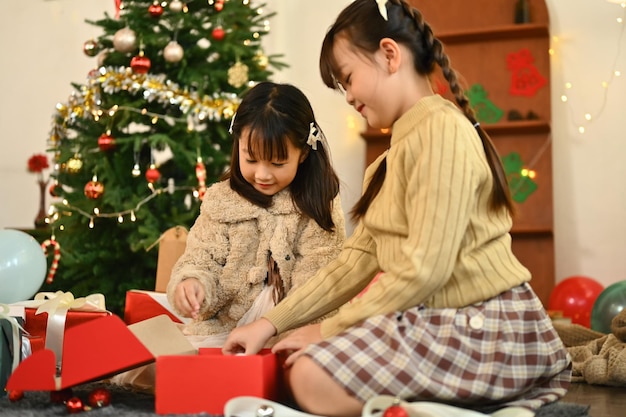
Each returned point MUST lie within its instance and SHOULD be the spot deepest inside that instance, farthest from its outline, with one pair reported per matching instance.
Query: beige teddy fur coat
(228, 246)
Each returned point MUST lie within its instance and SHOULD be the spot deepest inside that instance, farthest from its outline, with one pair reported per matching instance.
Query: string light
(589, 117)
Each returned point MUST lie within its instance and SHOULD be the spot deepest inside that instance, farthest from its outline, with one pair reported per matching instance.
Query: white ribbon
(57, 305)
(382, 8)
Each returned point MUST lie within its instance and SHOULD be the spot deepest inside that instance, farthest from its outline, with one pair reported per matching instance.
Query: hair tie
(382, 8)
(314, 136)
(476, 124)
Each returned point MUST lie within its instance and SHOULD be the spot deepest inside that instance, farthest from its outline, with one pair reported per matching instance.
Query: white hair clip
(314, 136)
(232, 122)
(382, 8)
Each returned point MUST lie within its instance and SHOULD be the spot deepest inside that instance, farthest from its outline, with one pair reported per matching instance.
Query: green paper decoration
(521, 186)
(486, 111)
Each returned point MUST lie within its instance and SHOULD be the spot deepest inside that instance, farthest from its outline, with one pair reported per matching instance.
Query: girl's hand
(188, 297)
(249, 339)
(295, 343)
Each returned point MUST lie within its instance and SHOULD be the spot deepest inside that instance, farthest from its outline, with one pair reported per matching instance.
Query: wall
(42, 45)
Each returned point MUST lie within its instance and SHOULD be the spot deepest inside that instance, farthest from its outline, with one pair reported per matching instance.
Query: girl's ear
(392, 54)
(303, 155)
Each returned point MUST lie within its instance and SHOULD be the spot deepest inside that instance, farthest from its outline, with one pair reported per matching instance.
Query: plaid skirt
(501, 352)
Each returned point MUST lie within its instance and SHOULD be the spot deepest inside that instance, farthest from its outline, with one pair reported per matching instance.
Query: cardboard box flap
(162, 337)
(172, 244)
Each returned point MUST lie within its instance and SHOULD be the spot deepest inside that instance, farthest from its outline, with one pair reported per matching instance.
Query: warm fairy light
(132, 216)
(96, 211)
(587, 116)
(120, 219)
(91, 222)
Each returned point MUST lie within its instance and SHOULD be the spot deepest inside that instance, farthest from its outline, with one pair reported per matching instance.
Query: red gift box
(141, 305)
(205, 382)
(98, 349)
(36, 324)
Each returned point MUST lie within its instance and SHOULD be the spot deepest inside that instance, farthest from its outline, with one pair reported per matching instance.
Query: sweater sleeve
(204, 257)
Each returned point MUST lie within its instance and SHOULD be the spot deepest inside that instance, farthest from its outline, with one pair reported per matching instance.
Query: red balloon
(575, 296)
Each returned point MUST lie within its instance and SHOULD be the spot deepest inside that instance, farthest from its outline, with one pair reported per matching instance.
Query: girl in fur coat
(268, 226)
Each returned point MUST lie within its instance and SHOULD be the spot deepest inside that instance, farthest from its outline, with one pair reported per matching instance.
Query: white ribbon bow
(382, 8)
(57, 306)
(313, 136)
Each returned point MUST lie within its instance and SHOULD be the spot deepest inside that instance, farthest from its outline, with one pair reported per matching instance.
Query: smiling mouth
(360, 108)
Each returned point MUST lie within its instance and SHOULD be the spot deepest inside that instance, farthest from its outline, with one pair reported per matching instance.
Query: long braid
(501, 195)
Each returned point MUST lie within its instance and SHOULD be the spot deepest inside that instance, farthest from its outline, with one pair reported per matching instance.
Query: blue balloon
(609, 304)
(22, 266)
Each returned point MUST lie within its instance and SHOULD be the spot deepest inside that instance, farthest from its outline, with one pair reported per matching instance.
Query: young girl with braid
(452, 318)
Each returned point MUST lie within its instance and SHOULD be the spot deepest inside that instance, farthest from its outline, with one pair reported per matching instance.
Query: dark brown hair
(274, 114)
(362, 24)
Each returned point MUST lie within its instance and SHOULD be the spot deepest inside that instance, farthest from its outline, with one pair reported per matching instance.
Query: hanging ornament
(526, 78)
(219, 5)
(262, 60)
(136, 170)
(74, 165)
(94, 189)
(90, 48)
(106, 142)
(55, 258)
(101, 57)
(155, 9)
(125, 40)
(218, 33)
(74, 405)
(52, 190)
(140, 63)
(99, 397)
(238, 74)
(173, 52)
(176, 6)
(152, 174)
(201, 175)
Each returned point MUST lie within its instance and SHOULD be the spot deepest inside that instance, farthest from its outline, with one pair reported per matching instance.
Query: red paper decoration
(526, 79)
(94, 189)
(140, 64)
(106, 142)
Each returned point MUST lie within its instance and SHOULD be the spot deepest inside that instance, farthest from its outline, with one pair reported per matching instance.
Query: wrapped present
(211, 379)
(11, 321)
(98, 349)
(49, 315)
(141, 305)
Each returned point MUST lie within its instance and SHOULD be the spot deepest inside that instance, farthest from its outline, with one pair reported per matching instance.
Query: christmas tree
(136, 145)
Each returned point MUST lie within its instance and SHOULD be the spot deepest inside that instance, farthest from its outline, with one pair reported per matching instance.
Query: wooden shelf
(517, 127)
(497, 33)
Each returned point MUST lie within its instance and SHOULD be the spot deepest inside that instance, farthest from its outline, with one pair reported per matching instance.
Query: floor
(604, 401)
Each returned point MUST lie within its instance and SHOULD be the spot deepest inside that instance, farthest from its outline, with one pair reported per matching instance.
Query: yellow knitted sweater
(429, 229)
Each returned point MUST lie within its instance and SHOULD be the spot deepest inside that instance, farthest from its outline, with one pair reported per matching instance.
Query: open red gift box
(187, 380)
(141, 305)
(205, 382)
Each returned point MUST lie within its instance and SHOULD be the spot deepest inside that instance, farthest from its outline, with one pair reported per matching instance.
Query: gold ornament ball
(173, 52)
(125, 40)
(90, 48)
(262, 61)
(74, 165)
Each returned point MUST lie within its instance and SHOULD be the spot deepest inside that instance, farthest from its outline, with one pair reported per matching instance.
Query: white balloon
(22, 266)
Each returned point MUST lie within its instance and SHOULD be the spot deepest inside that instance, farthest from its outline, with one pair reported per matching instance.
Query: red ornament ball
(155, 9)
(74, 405)
(152, 175)
(52, 190)
(15, 395)
(395, 411)
(218, 33)
(99, 397)
(140, 64)
(106, 142)
(60, 397)
(94, 190)
(219, 6)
